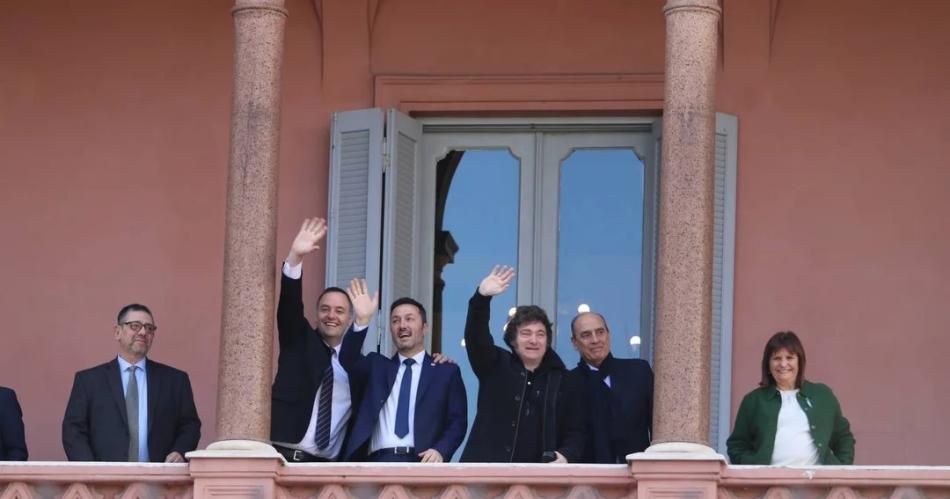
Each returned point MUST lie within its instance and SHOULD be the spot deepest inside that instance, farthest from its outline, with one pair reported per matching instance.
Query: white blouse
(793, 443)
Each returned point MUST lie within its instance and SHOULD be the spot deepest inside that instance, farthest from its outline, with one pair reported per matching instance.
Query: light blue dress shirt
(142, 380)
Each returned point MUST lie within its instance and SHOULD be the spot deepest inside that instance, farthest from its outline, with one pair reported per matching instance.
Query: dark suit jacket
(630, 420)
(12, 437)
(300, 365)
(95, 427)
(441, 415)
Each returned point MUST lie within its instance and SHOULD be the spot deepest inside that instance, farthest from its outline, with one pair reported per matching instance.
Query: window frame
(424, 199)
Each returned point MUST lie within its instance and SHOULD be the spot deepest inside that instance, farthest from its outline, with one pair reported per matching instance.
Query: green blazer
(753, 437)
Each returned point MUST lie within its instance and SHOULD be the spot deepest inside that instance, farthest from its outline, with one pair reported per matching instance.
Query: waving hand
(497, 281)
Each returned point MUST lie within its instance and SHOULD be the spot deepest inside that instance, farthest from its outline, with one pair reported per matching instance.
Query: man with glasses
(131, 408)
(618, 394)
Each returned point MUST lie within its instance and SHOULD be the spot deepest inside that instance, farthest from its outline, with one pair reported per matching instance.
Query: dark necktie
(325, 407)
(132, 412)
(402, 408)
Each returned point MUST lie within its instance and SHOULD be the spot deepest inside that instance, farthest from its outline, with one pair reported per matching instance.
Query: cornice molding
(521, 93)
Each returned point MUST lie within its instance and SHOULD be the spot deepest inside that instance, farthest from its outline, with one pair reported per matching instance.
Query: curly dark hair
(523, 315)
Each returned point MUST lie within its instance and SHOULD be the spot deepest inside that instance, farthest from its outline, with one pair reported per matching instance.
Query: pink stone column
(685, 251)
(247, 322)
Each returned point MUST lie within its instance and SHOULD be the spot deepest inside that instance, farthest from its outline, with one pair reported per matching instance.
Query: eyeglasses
(137, 326)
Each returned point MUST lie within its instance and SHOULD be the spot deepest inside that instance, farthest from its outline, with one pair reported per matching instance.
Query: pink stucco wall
(114, 143)
(842, 206)
(113, 159)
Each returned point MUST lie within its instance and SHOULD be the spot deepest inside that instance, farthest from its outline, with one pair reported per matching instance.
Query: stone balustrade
(258, 477)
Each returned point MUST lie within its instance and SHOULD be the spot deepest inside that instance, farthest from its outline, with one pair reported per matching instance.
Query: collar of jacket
(807, 390)
(606, 365)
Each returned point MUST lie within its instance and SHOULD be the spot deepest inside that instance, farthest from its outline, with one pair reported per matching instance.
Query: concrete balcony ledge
(422, 474)
(864, 476)
(92, 472)
(266, 476)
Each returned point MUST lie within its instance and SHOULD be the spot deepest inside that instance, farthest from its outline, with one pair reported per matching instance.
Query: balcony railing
(259, 477)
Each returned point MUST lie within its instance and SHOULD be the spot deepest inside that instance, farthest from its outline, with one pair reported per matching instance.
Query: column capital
(710, 6)
(272, 5)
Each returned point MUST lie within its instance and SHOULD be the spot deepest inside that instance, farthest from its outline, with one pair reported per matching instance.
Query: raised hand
(438, 358)
(364, 305)
(306, 242)
(497, 281)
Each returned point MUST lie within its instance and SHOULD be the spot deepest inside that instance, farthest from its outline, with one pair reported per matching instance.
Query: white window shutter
(401, 227)
(724, 237)
(355, 199)
(651, 223)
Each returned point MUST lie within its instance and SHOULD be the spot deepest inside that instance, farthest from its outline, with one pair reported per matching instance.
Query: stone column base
(235, 469)
(677, 469)
(685, 448)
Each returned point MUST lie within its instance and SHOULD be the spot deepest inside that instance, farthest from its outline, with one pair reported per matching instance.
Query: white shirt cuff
(293, 272)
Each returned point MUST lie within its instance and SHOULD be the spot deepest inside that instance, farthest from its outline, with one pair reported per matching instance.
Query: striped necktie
(325, 407)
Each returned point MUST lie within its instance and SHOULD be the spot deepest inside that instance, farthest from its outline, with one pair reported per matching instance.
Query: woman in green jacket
(788, 421)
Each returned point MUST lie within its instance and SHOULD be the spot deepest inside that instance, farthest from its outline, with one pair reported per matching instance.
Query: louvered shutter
(724, 234)
(401, 227)
(355, 199)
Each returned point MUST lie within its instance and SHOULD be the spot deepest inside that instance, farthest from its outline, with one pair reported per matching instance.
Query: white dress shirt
(793, 443)
(141, 379)
(384, 435)
(606, 380)
(342, 405)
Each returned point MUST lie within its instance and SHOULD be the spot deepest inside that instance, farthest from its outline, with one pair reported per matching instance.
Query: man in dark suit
(12, 436)
(414, 409)
(312, 395)
(131, 408)
(619, 393)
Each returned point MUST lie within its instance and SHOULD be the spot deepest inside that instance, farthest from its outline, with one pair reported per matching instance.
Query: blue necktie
(325, 406)
(402, 408)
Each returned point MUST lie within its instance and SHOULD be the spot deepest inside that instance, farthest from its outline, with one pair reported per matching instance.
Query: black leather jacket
(502, 382)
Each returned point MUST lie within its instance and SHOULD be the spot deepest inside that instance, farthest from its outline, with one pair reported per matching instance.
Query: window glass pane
(600, 245)
(477, 196)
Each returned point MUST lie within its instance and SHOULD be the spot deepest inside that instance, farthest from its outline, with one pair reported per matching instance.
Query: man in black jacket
(526, 408)
(131, 408)
(618, 394)
(312, 396)
(12, 436)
